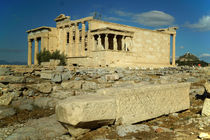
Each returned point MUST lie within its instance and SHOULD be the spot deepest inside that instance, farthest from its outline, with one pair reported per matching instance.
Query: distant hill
(3, 62)
(190, 60)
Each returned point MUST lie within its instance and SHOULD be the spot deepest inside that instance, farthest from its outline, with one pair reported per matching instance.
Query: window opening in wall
(67, 37)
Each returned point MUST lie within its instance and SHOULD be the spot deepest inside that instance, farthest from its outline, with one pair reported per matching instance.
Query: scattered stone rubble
(24, 88)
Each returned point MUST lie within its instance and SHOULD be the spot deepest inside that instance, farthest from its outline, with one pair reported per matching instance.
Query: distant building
(91, 42)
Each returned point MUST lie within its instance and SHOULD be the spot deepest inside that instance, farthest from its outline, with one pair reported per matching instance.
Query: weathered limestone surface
(126, 104)
(138, 103)
(207, 87)
(90, 108)
(206, 108)
(6, 98)
(45, 128)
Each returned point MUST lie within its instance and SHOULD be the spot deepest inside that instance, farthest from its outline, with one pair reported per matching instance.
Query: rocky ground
(28, 96)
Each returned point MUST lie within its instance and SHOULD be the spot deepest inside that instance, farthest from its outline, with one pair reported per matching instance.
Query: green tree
(45, 56)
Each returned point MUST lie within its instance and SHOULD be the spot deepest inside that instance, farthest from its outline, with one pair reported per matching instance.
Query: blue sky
(191, 16)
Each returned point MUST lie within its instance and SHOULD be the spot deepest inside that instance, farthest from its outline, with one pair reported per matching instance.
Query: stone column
(90, 46)
(36, 51)
(173, 51)
(29, 52)
(115, 42)
(83, 39)
(71, 41)
(123, 43)
(106, 42)
(99, 47)
(94, 45)
(76, 40)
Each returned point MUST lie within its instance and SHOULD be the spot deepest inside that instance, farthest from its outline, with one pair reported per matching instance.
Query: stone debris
(206, 107)
(123, 130)
(45, 88)
(6, 111)
(72, 84)
(32, 89)
(5, 71)
(204, 135)
(44, 128)
(207, 87)
(6, 98)
(75, 132)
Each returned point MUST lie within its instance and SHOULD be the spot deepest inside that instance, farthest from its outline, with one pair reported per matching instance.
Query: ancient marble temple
(92, 43)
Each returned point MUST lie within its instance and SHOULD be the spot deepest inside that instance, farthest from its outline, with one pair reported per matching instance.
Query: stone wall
(150, 46)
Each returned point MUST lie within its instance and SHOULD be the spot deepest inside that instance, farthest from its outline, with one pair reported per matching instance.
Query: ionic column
(99, 47)
(36, 51)
(29, 52)
(115, 42)
(70, 40)
(76, 40)
(173, 51)
(83, 39)
(106, 42)
(93, 43)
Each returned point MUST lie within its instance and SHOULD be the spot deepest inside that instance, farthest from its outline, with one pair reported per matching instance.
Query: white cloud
(203, 24)
(181, 47)
(154, 18)
(205, 55)
(122, 13)
(151, 18)
(113, 19)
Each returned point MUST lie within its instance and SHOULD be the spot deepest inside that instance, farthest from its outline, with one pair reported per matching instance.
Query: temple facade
(90, 42)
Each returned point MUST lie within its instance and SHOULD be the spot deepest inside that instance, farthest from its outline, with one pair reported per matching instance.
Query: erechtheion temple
(92, 42)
